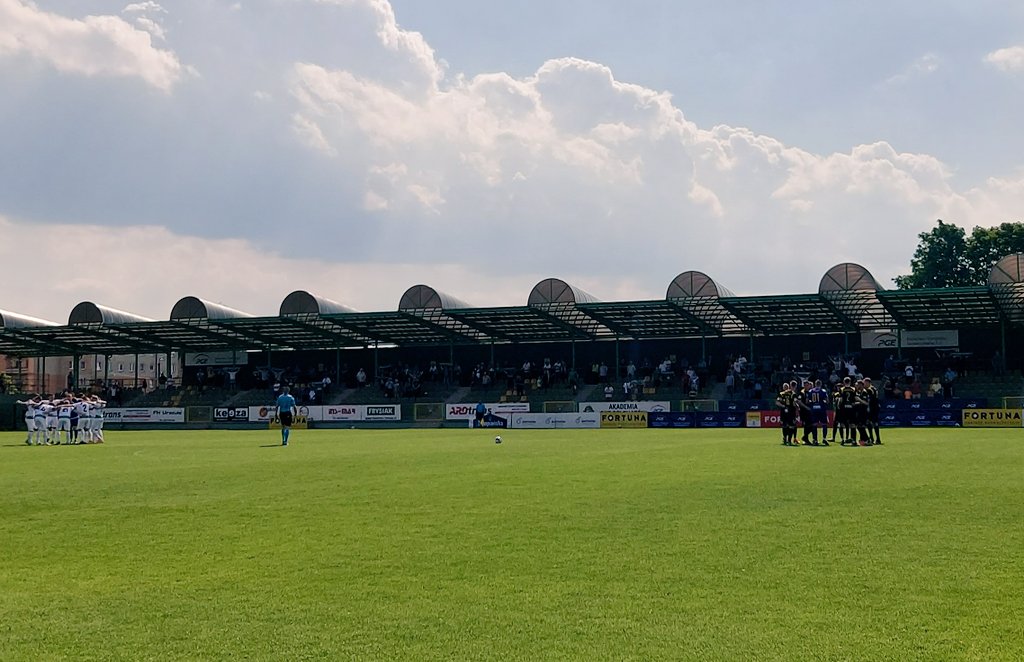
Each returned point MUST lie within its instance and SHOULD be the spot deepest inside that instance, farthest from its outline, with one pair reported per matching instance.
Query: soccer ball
(497, 439)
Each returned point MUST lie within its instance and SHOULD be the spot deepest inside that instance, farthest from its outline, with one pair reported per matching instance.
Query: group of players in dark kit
(856, 408)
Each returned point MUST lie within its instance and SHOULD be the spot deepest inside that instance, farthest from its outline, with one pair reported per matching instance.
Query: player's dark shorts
(844, 415)
(286, 418)
(860, 415)
(787, 417)
(873, 415)
(480, 416)
(818, 416)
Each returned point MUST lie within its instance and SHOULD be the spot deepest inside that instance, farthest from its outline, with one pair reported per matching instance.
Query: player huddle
(855, 405)
(68, 419)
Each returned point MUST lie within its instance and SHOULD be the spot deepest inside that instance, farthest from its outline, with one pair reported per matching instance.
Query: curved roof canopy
(424, 297)
(847, 277)
(695, 284)
(1007, 271)
(194, 308)
(854, 292)
(1006, 280)
(9, 320)
(88, 312)
(301, 302)
(848, 298)
(555, 292)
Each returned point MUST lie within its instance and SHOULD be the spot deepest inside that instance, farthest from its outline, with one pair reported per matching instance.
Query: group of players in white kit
(66, 419)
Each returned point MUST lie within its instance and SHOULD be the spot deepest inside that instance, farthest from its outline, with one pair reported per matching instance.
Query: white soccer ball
(497, 439)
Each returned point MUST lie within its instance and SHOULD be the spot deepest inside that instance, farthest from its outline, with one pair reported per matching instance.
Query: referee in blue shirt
(285, 408)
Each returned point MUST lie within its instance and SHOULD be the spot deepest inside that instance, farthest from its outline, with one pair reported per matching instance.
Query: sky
(238, 151)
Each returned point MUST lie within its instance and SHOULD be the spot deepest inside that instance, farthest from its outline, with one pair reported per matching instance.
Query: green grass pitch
(439, 544)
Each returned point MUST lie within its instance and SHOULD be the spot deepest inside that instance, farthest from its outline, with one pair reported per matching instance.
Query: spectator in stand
(574, 381)
(603, 372)
(915, 389)
(609, 392)
(947, 382)
(631, 371)
(361, 378)
(730, 384)
(935, 388)
(908, 372)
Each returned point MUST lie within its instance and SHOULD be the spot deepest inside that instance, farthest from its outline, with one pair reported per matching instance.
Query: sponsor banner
(671, 419)
(992, 418)
(766, 419)
(549, 421)
(466, 411)
(236, 414)
(721, 419)
(948, 419)
(640, 405)
(145, 415)
(921, 419)
(339, 413)
(490, 421)
(743, 405)
(890, 419)
(934, 404)
(206, 359)
(331, 413)
(889, 339)
(624, 419)
(382, 412)
(263, 414)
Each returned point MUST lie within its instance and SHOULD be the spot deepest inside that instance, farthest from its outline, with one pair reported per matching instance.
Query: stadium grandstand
(699, 348)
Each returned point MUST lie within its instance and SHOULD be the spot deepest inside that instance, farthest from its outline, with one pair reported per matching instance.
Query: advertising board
(624, 419)
(464, 411)
(640, 405)
(992, 418)
(145, 415)
(554, 421)
(671, 419)
(231, 414)
(215, 359)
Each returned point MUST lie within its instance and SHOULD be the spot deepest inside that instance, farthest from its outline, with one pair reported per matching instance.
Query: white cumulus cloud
(1007, 59)
(93, 46)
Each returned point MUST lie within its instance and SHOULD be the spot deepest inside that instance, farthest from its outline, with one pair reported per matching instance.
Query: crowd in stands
(900, 379)
(631, 379)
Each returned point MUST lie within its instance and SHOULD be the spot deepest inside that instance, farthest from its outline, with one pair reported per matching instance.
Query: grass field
(439, 544)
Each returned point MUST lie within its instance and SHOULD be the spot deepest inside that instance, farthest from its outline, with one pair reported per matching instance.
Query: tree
(939, 261)
(986, 246)
(947, 257)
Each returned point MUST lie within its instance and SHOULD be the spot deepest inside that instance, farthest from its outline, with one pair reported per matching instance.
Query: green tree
(940, 259)
(947, 257)
(986, 246)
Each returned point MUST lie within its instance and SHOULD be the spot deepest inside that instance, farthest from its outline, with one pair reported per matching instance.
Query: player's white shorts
(30, 423)
(83, 423)
(40, 423)
(97, 423)
(64, 424)
(51, 422)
